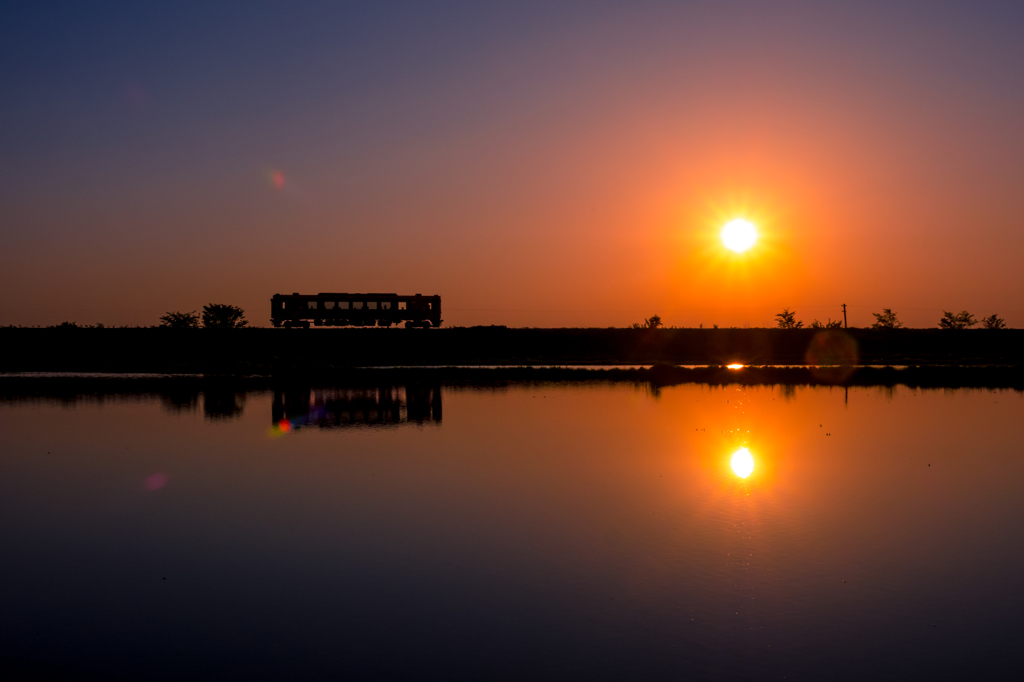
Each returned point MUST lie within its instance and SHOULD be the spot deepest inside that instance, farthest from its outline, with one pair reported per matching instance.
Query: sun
(739, 235)
(742, 463)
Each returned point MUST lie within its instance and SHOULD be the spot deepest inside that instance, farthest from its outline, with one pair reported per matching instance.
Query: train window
(312, 305)
(328, 304)
(343, 305)
(284, 304)
(401, 305)
(372, 305)
(357, 305)
(385, 305)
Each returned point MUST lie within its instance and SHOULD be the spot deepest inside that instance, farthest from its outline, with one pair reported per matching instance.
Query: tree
(886, 320)
(826, 325)
(652, 322)
(993, 321)
(787, 320)
(223, 316)
(961, 320)
(177, 320)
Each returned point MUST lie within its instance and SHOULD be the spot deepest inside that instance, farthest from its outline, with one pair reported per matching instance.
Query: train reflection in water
(376, 406)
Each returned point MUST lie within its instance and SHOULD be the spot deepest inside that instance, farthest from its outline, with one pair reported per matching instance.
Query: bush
(176, 320)
(961, 320)
(223, 316)
(826, 325)
(993, 321)
(652, 322)
(787, 320)
(886, 320)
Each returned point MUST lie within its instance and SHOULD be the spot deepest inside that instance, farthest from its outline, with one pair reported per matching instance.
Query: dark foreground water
(525, 532)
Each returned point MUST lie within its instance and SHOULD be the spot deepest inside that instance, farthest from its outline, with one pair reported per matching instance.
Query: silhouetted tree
(826, 325)
(177, 320)
(652, 322)
(223, 316)
(961, 320)
(993, 321)
(886, 320)
(787, 320)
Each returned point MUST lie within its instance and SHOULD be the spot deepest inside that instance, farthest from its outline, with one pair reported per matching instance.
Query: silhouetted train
(360, 310)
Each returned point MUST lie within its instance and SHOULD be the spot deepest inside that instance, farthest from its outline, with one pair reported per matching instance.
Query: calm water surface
(531, 531)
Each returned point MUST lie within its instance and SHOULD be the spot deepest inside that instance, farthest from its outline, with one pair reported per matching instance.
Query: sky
(542, 164)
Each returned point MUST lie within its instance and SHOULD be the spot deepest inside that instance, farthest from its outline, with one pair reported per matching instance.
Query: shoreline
(658, 375)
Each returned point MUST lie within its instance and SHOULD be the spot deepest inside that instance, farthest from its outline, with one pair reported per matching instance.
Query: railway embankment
(264, 351)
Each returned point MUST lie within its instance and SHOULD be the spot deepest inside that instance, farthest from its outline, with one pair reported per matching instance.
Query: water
(573, 531)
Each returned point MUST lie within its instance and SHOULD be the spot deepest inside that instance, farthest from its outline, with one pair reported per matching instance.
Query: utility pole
(844, 316)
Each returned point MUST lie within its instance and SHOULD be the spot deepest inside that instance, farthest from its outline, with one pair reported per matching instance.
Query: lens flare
(742, 463)
(735, 365)
(281, 428)
(156, 481)
(739, 235)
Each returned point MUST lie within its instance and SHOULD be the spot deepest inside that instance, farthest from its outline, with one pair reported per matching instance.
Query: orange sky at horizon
(576, 174)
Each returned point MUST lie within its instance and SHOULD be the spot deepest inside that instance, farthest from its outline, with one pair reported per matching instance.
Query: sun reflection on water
(742, 463)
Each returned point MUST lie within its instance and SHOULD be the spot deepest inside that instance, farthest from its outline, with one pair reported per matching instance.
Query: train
(354, 310)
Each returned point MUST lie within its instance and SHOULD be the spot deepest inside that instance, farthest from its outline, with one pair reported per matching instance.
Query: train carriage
(354, 310)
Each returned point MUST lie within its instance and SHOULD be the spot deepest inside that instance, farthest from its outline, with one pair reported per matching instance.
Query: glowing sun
(742, 463)
(739, 235)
